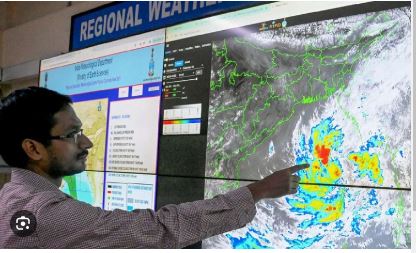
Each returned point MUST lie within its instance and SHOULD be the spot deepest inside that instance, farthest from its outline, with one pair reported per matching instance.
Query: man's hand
(278, 184)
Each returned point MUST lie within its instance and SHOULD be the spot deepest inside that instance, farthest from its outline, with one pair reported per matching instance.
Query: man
(42, 138)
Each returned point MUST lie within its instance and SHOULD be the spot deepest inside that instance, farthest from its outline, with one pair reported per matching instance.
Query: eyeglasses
(74, 136)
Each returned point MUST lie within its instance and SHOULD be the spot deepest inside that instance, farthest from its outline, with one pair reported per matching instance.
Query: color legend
(182, 126)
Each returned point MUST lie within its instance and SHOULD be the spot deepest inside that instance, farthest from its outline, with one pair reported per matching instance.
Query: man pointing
(41, 137)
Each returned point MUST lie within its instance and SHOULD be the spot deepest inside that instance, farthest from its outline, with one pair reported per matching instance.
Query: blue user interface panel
(116, 90)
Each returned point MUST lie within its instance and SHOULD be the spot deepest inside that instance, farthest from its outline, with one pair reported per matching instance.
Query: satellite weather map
(335, 94)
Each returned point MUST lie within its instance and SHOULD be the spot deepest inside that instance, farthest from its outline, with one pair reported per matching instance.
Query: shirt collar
(27, 177)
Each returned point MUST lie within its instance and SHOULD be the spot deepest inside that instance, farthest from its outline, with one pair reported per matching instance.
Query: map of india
(93, 115)
(335, 94)
(88, 186)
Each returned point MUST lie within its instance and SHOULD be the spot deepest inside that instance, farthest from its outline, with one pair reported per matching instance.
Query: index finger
(298, 167)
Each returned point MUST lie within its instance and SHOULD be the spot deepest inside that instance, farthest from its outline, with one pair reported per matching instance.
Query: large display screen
(329, 86)
(211, 105)
(116, 90)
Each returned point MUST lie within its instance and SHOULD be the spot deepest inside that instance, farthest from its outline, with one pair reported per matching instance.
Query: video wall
(207, 106)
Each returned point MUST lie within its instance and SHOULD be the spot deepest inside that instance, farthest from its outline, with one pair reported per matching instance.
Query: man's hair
(27, 114)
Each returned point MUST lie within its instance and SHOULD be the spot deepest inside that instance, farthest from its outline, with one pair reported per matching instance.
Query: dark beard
(56, 171)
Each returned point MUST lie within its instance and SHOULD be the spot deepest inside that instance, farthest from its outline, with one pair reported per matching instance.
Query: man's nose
(85, 142)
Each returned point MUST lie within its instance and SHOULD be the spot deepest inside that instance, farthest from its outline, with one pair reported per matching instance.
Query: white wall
(20, 12)
(24, 45)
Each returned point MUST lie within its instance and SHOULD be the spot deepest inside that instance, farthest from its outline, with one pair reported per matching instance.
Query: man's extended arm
(67, 223)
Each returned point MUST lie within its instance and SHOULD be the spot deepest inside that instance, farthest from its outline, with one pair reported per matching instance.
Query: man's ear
(34, 150)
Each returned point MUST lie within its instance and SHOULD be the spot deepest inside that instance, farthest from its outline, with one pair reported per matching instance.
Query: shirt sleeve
(68, 223)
